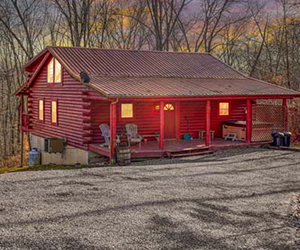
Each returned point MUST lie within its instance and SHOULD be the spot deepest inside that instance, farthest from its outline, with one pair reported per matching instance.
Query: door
(170, 121)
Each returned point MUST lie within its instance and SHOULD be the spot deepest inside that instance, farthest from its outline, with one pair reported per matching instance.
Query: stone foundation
(71, 155)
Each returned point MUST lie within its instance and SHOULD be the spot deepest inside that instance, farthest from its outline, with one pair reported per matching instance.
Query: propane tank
(34, 157)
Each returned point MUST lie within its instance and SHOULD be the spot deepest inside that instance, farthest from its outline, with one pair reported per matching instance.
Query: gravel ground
(236, 199)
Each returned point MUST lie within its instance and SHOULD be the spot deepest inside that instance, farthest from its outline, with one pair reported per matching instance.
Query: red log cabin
(177, 100)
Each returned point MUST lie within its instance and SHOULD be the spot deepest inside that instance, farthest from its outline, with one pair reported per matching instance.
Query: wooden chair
(105, 130)
(132, 134)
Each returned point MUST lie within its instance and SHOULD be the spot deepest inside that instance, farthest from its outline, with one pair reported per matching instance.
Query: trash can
(287, 139)
(34, 157)
(278, 139)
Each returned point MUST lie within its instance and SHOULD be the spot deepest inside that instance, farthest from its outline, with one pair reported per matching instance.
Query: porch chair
(132, 134)
(105, 130)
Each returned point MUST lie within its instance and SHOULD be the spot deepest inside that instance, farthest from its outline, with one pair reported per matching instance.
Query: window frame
(43, 100)
(51, 121)
(53, 74)
(120, 111)
(173, 107)
(229, 109)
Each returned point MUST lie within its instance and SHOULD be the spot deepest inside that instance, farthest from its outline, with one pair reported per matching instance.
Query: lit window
(127, 110)
(50, 71)
(54, 71)
(168, 107)
(41, 110)
(224, 108)
(54, 112)
(57, 71)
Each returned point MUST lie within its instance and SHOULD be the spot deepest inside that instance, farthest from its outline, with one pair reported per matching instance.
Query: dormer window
(54, 71)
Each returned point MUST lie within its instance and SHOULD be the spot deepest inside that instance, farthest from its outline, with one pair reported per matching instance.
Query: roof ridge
(166, 77)
(132, 50)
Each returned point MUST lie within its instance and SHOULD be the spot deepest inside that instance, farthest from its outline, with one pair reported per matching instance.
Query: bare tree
(164, 16)
(77, 16)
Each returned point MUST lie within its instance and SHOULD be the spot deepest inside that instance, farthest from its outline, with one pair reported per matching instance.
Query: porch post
(208, 114)
(286, 112)
(21, 130)
(113, 130)
(249, 122)
(177, 108)
(162, 126)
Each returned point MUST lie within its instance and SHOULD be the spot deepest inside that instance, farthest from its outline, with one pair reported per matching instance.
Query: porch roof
(115, 86)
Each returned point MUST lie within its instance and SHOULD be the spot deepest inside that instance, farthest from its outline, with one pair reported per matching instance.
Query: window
(41, 110)
(224, 109)
(126, 110)
(54, 71)
(169, 107)
(54, 111)
(57, 71)
(50, 71)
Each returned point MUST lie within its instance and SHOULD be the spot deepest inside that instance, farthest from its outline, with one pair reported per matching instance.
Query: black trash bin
(287, 139)
(281, 138)
(278, 139)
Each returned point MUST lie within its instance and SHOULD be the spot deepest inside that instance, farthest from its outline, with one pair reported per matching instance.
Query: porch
(151, 149)
(170, 121)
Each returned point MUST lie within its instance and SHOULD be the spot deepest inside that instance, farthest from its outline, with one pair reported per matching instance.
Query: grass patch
(42, 168)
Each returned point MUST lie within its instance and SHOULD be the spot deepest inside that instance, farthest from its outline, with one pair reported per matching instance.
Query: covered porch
(151, 149)
(190, 116)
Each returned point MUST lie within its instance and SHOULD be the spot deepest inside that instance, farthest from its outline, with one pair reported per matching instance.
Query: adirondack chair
(132, 134)
(105, 130)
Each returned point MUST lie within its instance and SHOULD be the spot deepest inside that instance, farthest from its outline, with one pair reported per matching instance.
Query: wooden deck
(151, 149)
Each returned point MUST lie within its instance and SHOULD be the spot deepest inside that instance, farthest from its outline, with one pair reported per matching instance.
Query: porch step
(188, 152)
(172, 155)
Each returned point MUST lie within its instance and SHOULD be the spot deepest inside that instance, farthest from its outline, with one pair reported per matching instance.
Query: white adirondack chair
(105, 130)
(132, 134)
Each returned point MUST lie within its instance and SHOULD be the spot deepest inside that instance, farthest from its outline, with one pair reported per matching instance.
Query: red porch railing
(267, 119)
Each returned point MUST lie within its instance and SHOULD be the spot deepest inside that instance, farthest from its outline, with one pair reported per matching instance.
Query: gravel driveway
(236, 199)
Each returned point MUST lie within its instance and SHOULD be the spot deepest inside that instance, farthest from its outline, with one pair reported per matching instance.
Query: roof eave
(207, 97)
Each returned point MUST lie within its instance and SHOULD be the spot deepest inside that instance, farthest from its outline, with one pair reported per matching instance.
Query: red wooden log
(162, 126)
(208, 121)
(249, 121)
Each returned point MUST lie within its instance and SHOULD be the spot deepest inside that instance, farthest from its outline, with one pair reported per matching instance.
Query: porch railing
(267, 119)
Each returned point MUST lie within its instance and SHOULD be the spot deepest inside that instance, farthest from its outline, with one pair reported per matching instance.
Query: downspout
(115, 102)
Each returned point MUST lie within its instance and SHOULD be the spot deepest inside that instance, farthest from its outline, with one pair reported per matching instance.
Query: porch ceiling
(115, 86)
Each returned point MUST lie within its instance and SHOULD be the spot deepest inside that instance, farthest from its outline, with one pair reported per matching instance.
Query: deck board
(151, 149)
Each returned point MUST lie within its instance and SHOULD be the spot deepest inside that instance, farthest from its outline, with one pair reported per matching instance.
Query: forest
(259, 38)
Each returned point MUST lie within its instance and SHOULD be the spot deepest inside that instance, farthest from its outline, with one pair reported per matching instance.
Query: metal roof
(162, 87)
(132, 73)
(137, 63)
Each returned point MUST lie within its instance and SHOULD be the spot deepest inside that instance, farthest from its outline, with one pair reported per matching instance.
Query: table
(145, 137)
(202, 134)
